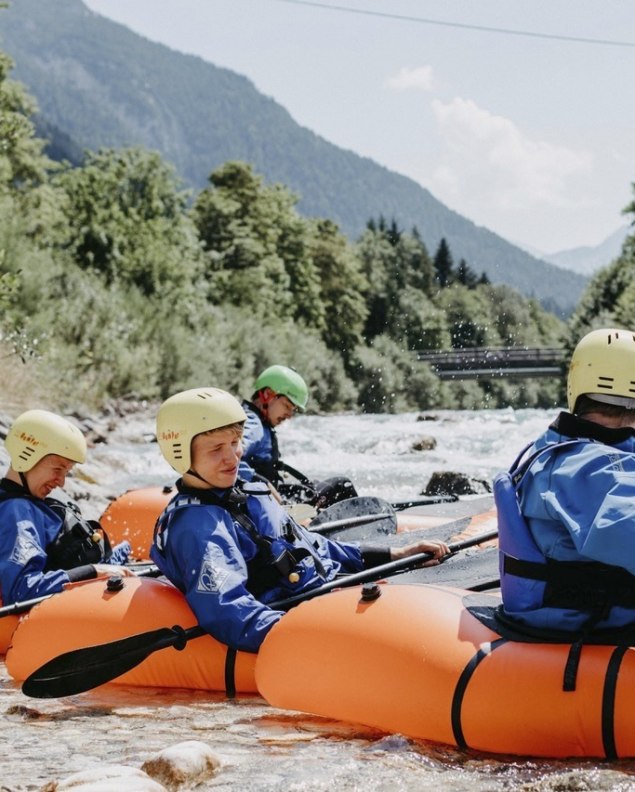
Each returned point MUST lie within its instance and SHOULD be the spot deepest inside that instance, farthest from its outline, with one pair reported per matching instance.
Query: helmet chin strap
(192, 472)
(24, 482)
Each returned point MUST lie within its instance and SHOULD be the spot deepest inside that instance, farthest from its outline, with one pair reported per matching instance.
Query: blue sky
(532, 136)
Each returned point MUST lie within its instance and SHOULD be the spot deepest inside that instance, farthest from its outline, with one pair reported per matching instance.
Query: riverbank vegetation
(116, 283)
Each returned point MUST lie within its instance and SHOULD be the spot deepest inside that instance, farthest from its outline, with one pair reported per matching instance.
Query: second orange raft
(132, 517)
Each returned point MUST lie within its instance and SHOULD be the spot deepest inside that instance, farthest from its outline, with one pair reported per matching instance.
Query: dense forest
(99, 85)
(117, 283)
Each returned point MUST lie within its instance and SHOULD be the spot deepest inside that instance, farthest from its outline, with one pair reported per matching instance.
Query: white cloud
(419, 79)
(487, 160)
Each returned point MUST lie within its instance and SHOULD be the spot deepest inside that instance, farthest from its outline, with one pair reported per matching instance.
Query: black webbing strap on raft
(608, 702)
(461, 687)
(230, 671)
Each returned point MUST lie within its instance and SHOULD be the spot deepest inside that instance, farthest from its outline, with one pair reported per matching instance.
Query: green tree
(256, 246)
(127, 221)
(29, 215)
(342, 285)
(443, 265)
(518, 321)
(466, 276)
(400, 275)
(468, 317)
(389, 379)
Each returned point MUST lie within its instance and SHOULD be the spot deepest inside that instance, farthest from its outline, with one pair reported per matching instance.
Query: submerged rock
(426, 443)
(189, 762)
(446, 482)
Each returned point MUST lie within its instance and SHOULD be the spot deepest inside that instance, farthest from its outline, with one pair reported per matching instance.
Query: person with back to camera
(228, 545)
(280, 392)
(567, 542)
(44, 542)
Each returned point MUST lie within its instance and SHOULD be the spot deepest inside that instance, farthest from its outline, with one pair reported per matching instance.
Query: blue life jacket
(532, 581)
(274, 559)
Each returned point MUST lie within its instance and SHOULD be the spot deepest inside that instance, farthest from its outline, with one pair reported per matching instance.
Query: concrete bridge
(484, 363)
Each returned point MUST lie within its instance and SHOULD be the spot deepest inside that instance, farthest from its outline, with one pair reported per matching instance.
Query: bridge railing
(494, 362)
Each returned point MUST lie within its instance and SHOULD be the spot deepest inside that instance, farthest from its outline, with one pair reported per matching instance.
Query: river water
(261, 748)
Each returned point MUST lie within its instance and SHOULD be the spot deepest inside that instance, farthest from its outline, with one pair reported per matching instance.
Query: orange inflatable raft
(7, 628)
(90, 614)
(132, 516)
(416, 661)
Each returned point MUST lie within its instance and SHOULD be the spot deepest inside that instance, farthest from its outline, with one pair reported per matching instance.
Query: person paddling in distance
(280, 392)
(44, 542)
(228, 545)
(568, 541)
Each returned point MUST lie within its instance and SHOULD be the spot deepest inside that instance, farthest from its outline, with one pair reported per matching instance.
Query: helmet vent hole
(26, 453)
(177, 450)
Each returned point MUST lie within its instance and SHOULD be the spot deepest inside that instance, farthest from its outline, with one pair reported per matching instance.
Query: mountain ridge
(98, 84)
(587, 259)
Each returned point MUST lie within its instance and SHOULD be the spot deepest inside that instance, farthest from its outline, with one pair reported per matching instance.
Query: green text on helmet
(285, 382)
(603, 367)
(189, 413)
(36, 433)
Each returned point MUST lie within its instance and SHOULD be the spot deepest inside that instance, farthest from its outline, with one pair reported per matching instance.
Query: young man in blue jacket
(44, 543)
(228, 545)
(568, 558)
(280, 392)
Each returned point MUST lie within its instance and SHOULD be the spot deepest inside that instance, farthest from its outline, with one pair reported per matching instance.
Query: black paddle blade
(84, 669)
(356, 507)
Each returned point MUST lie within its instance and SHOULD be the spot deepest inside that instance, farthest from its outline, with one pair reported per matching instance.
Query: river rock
(426, 443)
(109, 778)
(447, 482)
(190, 762)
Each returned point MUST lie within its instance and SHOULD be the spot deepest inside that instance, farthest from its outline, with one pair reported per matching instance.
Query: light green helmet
(285, 382)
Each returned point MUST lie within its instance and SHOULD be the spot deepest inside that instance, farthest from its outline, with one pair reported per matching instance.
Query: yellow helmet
(189, 413)
(603, 368)
(36, 433)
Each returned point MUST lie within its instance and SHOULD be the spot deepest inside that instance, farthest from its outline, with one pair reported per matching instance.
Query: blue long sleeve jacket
(26, 528)
(259, 444)
(204, 551)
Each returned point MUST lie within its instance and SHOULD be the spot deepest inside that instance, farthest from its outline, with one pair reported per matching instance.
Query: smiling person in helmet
(44, 542)
(228, 545)
(568, 554)
(280, 392)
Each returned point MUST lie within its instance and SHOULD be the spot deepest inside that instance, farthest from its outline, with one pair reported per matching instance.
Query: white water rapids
(262, 748)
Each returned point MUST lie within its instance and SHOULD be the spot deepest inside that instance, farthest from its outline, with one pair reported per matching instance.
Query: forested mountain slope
(99, 84)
